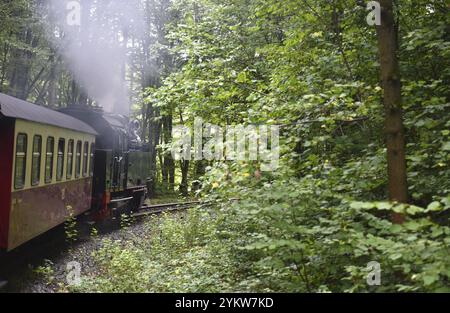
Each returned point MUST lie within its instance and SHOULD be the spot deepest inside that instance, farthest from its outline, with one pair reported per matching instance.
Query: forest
(357, 91)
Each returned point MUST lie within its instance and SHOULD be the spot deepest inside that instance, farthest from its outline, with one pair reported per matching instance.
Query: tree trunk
(394, 129)
(184, 177)
(22, 60)
(4, 66)
(199, 171)
(154, 130)
(169, 163)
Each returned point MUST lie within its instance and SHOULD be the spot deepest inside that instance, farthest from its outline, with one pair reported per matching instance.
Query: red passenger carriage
(46, 169)
(55, 164)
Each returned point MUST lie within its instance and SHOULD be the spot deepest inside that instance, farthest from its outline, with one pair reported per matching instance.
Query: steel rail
(166, 207)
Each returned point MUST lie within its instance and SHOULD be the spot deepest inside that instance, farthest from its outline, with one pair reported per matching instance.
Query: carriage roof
(20, 109)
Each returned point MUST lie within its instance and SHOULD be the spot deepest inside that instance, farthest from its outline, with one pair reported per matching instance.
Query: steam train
(54, 164)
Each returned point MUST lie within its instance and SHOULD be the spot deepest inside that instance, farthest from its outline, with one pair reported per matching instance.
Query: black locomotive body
(120, 167)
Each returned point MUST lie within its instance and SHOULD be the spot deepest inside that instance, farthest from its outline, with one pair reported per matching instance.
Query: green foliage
(299, 235)
(286, 238)
(121, 270)
(315, 223)
(126, 220)
(94, 232)
(45, 271)
(178, 253)
(70, 226)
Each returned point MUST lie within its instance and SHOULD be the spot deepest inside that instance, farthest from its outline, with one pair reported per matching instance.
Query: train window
(70, 159)
(49, 160)
(78, 160)
(21, 161)
(85, 158)
(60, 159)
(91, 161)
(36, 161)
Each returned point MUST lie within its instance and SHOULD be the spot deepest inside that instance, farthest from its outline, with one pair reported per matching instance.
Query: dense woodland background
(313, 67)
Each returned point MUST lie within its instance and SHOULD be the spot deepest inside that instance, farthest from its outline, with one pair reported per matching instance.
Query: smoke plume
(93, 37)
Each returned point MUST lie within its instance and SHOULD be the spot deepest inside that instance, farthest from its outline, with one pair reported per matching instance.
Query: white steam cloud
(93, 38)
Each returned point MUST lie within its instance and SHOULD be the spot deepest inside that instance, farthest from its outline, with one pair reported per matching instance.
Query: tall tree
(394, 128)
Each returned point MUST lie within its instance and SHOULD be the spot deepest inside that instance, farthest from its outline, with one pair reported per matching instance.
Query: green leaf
(446, 202)
(446, 146)
(434, 206)
(362, 205)
(242, 77)
(430, 279)
(395, 256)
(412, 209)
(400, 208)
(384, 205)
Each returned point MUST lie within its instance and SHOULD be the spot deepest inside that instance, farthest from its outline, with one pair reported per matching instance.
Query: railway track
(167, 207)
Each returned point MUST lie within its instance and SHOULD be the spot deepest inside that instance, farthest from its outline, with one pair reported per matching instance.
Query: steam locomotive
(54, 164)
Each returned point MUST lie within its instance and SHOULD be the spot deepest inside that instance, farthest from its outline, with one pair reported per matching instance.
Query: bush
(298, 235)
(182, 255)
